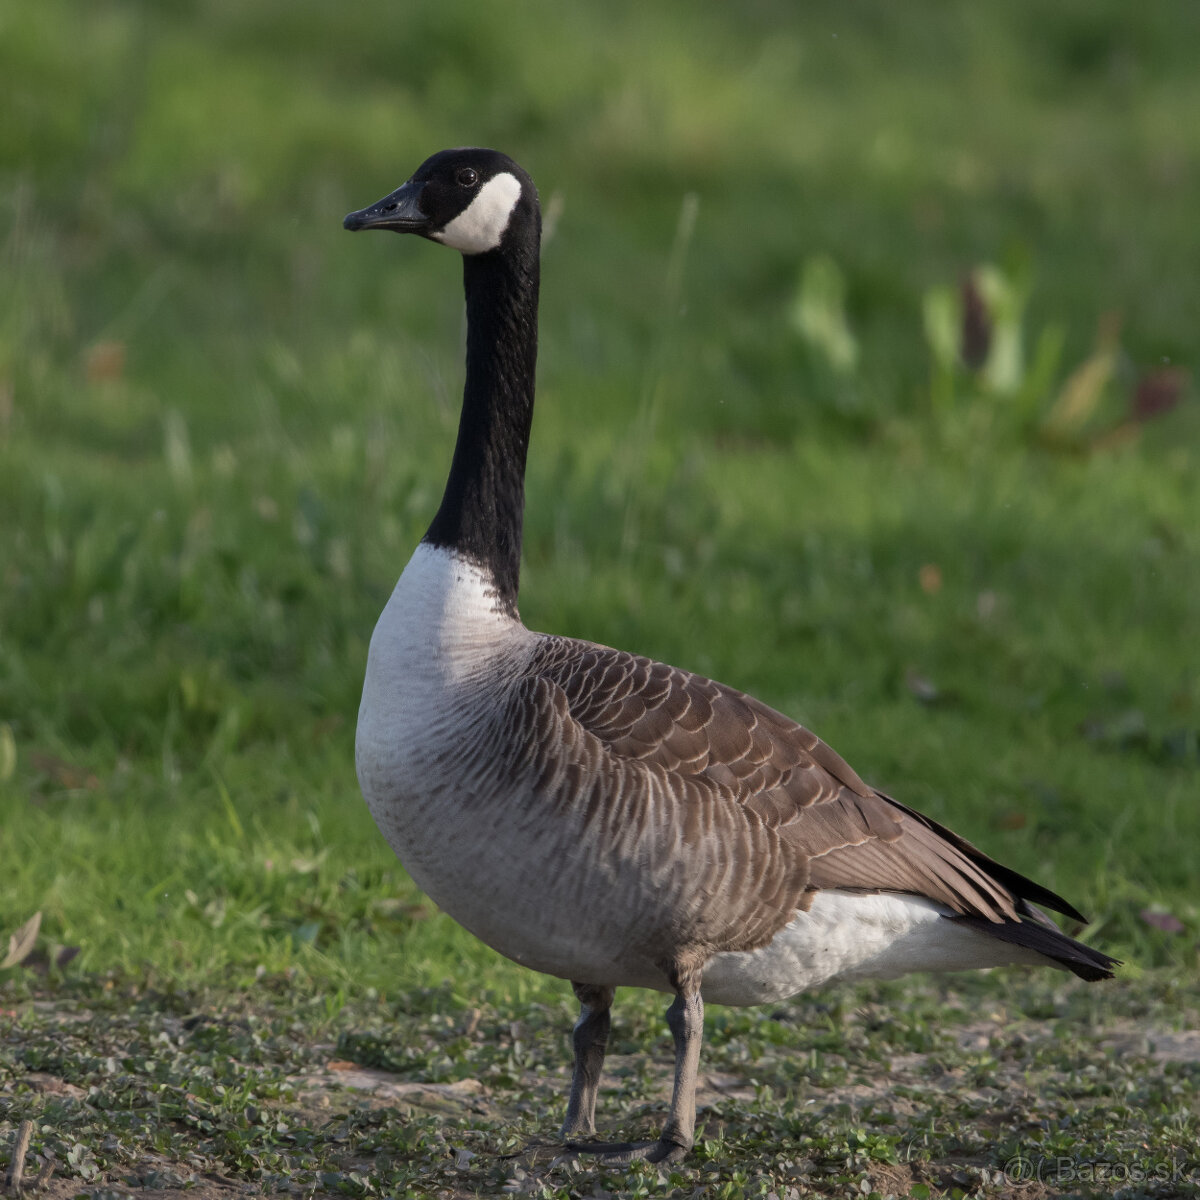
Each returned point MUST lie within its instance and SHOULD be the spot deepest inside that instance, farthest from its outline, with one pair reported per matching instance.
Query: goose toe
(620, 1154)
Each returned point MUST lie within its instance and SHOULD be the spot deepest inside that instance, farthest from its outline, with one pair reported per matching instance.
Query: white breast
(430, 759)
(442, 635)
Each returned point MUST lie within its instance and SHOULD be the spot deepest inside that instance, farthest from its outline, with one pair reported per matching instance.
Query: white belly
(847, 936)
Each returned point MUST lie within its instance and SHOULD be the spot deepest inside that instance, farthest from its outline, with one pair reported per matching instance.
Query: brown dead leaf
(51, 1085)
(21, 943)
(1013, 819)
(104, 362)
(930, 577)
(63, 773)
(1167, 922)
(1081, 394)
(1158, 392)
(976, 323)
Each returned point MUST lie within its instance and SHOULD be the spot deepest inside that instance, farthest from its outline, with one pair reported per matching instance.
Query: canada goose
(604, 818)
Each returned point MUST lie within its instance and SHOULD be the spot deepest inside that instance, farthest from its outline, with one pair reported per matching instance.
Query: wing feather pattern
(754, 810)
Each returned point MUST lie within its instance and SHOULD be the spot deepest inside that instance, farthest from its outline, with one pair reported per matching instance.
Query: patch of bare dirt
(382, 1089)
(1161, 1045)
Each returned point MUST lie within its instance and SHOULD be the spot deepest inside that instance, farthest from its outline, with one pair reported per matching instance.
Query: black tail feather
(1074, 956)
(1020, 885)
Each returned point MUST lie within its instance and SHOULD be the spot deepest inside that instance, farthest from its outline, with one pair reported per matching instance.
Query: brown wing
(837, 831)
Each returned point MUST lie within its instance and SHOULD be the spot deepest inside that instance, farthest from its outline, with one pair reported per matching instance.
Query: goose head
(470, 199)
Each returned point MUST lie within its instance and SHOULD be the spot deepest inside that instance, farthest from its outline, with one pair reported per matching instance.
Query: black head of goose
(605, 818)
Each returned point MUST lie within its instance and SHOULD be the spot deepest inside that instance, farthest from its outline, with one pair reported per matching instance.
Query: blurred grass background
(865, 385)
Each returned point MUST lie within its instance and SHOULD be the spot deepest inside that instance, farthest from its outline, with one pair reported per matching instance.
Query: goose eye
(467, 176)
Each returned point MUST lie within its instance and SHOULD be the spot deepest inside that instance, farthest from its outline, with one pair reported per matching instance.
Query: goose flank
(608, 819)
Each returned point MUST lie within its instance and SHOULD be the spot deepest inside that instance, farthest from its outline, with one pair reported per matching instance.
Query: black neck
(484, 501)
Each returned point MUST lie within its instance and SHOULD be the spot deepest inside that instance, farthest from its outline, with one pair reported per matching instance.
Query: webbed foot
(619, 1154)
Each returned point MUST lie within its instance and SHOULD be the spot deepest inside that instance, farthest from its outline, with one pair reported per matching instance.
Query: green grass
(224, 424)
(906, 1090)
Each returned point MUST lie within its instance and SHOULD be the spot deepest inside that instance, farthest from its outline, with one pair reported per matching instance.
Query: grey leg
(686, 1021)
(685, 1018)
(590, 1040)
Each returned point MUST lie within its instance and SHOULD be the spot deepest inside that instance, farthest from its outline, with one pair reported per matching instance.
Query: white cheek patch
(480, 226)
